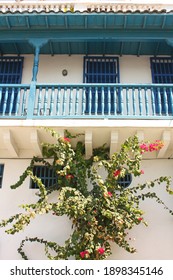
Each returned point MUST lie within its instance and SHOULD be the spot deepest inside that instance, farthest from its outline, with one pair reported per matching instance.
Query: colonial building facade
(100, 68)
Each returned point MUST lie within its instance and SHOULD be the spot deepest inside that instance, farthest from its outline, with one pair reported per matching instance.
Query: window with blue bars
(162, 73)
(102, 70)
(46, 174)
(1, 174)
(10, 73)
(125, 181)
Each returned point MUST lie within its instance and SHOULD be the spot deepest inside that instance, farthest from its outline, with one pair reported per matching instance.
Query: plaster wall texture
(152, 242)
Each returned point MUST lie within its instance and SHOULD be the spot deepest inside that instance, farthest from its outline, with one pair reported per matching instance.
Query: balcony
(86, 101)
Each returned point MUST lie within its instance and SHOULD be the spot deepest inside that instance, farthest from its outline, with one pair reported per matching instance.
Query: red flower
(101, 250)
(110, 194)
(66, 139)
(69, 176)
(84, 253)
(142, 171)
(117, 172)
(140, 219)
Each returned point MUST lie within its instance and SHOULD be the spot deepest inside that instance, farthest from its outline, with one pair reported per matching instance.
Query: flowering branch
(100, 216)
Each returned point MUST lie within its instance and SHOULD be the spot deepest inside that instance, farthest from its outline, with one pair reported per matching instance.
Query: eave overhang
(87, 33)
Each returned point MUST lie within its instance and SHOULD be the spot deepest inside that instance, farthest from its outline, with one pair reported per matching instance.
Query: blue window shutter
(46, 174)
(10, 73)
(101, 70)
(162, 73)
(1, 174)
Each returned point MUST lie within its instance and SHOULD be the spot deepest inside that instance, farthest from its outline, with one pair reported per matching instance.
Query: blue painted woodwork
(102, 70)
(89, 41)
(36, 63)
(1, 174)
(138, 101)
(87, 32)
(162, 73)
(20, 108)
(80, 21)
(10, 73)
(46, 174)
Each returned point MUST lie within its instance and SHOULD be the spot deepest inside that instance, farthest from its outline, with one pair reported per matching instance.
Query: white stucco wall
(133, 69)
(152, 242)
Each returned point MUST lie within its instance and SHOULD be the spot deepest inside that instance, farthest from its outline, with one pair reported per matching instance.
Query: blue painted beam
(86, 35)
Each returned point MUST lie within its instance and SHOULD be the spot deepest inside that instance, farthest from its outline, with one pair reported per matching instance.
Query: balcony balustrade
(89, 101)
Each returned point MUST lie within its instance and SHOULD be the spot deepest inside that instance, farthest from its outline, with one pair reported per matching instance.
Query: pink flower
(143, 147)
(84, 253)
(108, 194)
(155, 146)
(142, 171)
(117, 172)
(140, 219)
(66, 139)
(101, 250)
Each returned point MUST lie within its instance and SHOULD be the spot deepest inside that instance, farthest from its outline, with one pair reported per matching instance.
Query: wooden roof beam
(88, 144)
(166, 138)
(10, 143)
(114, 142)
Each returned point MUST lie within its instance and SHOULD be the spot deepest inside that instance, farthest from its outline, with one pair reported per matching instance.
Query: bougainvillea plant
(101, 215)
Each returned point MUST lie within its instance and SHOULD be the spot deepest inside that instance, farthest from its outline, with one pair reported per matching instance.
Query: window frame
(37, 170)
(162, 73)
(11, 69)
(102, 70)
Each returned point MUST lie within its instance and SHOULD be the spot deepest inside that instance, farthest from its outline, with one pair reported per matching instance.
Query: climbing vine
(101, 215)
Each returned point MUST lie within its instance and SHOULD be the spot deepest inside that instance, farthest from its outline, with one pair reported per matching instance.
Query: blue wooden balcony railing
(118, 101)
